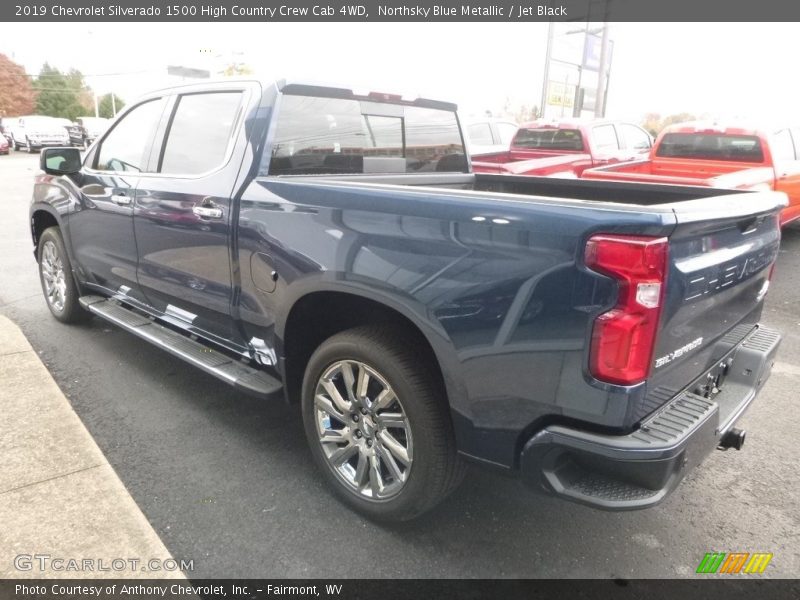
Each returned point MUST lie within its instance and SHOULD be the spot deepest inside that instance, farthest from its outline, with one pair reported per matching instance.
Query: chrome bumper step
(233, 372)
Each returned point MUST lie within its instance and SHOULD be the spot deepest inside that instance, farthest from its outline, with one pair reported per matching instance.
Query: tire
(416, 426)
(60, 291)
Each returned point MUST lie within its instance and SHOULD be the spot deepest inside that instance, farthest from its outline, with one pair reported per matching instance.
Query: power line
(59, 74)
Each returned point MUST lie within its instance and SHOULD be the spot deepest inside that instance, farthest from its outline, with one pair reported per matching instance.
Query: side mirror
(60, 161)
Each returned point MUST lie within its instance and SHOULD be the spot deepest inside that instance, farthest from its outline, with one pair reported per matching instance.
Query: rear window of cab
(549, 139)
(707, 146)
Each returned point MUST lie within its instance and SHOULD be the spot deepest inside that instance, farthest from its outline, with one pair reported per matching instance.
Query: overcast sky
(720, 70)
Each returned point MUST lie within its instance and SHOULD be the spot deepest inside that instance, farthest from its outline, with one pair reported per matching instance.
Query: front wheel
(55, 273)
(377, 420)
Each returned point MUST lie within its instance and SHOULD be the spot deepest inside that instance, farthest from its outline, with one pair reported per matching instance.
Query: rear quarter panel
(495, 286)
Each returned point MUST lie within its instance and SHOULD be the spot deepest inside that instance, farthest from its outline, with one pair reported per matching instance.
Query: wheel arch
(43, 217)
(317, 315)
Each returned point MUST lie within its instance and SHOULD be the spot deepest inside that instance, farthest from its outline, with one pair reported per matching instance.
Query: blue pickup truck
(598, 339)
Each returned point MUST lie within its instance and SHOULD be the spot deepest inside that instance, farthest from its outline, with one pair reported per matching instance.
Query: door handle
(207, 212)
(120, 199)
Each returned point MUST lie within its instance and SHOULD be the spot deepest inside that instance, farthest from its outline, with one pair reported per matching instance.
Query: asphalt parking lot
(227, 480)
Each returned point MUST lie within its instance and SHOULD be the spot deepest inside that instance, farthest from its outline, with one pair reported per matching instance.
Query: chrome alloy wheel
(363, 430)
(52, 269)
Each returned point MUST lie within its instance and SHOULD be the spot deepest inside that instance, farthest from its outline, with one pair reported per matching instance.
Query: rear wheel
(377, 420)
(55, 273)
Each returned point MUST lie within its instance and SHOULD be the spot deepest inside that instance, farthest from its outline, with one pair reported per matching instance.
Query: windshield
(709, 146)
(336, 135)
(549, 139)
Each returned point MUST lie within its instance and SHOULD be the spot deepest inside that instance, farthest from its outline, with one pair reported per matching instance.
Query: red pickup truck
(713, 155)
(564, 148)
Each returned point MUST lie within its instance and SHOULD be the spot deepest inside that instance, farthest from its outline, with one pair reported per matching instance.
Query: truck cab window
(127, 146)
(711, 146)
(337, 135)
(200, 132)
(480, 133)
(635, 138)
(782, 145)
(506, 131)
(605, 137)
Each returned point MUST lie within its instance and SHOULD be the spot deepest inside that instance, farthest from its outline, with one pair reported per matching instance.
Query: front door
(182, 216)
(102, 234)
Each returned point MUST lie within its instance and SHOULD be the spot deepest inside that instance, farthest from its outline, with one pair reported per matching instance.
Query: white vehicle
(486, 135)
(34, 132)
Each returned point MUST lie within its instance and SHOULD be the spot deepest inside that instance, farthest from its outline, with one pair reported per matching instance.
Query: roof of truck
(565, 123)
(316, 88)
(717, 127)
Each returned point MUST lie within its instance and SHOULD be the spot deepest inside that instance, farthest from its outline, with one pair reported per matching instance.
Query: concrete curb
(59, 496)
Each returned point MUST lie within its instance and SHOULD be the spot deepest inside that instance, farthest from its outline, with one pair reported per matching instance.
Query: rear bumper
(640, 469)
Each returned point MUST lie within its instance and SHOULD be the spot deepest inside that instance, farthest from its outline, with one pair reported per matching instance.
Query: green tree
(520, 113)
(106, 106)
(16, 93)
(526, 113)
(61, 94)
(236, 70)
(678, 118)
(654, 123)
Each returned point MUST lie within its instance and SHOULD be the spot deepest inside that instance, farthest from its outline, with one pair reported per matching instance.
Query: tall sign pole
(546, 78)
(602, 76)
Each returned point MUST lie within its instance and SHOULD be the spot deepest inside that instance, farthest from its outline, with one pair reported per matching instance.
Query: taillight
(624, 338)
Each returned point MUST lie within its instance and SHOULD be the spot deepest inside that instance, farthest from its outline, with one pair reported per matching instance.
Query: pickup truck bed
(715, 156)
(553, 328)
(565, 148)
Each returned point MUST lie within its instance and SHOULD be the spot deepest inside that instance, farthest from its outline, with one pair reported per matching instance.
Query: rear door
(720, 254)
(183, 216)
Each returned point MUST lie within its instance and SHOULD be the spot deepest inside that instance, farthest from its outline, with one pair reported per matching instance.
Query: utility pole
(600, 101)
(113, 105)
(577, 108)
(96, 105)
(546, 79)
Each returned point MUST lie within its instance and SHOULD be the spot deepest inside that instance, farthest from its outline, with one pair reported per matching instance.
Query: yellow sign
(560, 94)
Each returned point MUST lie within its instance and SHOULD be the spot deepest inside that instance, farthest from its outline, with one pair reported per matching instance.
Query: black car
(86, 130)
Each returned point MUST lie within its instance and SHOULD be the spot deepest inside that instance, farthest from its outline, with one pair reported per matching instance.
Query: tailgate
(721, 254)
(561, 165)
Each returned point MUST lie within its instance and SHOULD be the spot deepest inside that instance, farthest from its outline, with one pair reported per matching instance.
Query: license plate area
(711, 384)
